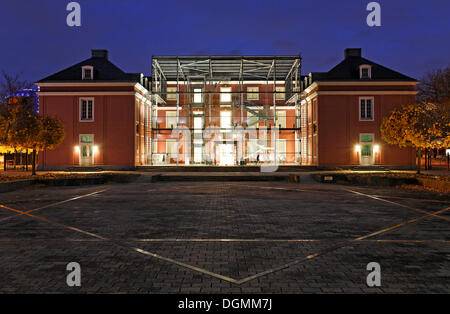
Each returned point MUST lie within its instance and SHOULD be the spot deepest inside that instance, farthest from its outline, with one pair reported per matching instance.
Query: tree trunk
(429, 159)
(419, 154)
(33, 165)
(4, 161)
(26, 160)
(425, 163)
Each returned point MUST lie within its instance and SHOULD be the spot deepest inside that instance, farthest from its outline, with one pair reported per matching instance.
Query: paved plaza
(224, 237)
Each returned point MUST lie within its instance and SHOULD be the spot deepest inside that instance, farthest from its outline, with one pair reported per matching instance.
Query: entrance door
(86, 150)
(226, 154)
(366, 155)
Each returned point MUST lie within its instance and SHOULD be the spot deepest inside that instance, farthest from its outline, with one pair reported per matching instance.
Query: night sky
(36, 42)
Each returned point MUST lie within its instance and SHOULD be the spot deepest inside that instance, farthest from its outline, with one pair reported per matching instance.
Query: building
(104, 110)
(224, 111)
(342, 111)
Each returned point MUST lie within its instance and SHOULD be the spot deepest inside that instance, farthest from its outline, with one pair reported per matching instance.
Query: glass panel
(86, 139)
(366, 138)
(225, 94)
(225, 119)
(369, 109)
(363, 109)
(252, 93)
(198, 95)
(366, 150)
(171, 119)
(280, 92)
(251, 119)
(89, 109)
(281, 120)
(83, 110)
(171, 93)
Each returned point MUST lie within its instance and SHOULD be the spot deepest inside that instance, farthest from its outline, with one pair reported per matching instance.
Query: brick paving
(211, 237)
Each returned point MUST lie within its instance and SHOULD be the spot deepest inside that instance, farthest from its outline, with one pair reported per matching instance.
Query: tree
(51, 134)
(21, 127)
(405, 127)
(434, 90)
(425, 124)
(11, 108)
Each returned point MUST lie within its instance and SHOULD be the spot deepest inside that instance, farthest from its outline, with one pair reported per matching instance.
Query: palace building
(224, 111)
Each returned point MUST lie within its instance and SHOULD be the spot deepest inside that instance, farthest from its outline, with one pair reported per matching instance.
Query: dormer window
(365, 71)
(87, 72)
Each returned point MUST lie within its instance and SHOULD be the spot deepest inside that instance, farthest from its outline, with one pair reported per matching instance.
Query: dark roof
(348, 70)
(104, 71)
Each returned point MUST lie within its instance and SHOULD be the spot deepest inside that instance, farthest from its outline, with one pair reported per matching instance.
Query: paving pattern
(224, 237)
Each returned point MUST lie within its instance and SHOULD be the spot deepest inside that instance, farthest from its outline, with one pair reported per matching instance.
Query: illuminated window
(171, 93)
(86, 109)
(281, 119)
(171, 119)
(252, 93)
(225, 94)
(280, 90)
(197, 95)
(225, 119)
(252, 119)
(87, 72)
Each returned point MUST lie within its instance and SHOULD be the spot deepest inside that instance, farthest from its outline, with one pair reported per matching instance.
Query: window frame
(365, 108)
(222, 118)
(223, 94)
(80, 109)
(369, 68)
(170, 113)
(173, 93)
(254, 94)
(284, 116)
(83, 72)
(196, 93)
(278, 93)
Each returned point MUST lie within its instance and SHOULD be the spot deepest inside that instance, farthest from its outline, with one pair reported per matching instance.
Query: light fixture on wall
(376, 148)
(95, 149)
(77, 148)
(357, 148)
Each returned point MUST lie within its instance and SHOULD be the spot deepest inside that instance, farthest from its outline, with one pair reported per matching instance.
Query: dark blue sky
(413, 39)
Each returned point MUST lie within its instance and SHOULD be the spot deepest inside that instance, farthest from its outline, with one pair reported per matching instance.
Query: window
(197, 95)
(252, 149)
(171, 93)
(281, 149)
(86, 109)
(172, 148)
(171, 119)
(281, 119)
(252, 93)
(225, 94)
(366, 108)
(252, 119)
(86, 139)
(280, 90)
(365, 71)
(225, 120)
(87, 72)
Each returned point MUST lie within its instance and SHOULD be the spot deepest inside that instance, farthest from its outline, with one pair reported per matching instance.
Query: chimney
(100, 53)
(352, 52)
